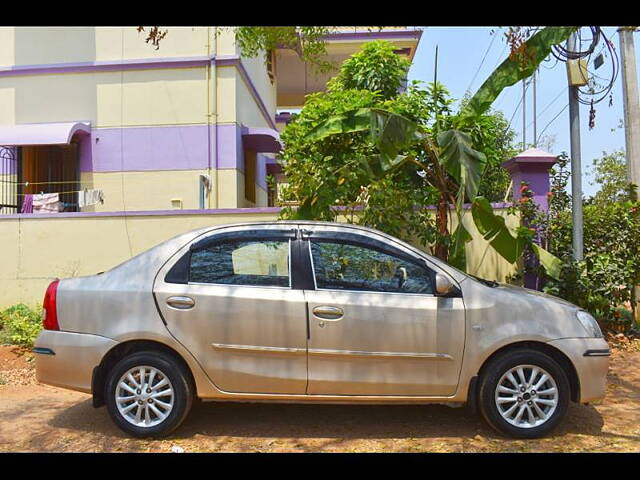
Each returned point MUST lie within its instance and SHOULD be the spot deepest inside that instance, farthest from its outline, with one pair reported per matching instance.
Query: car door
(375, 325)
(230, 298)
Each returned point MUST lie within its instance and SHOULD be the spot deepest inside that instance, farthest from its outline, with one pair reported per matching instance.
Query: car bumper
(67, 360)
(590, 357)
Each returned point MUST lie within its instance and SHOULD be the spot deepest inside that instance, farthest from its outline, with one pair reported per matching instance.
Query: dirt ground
(39, 418)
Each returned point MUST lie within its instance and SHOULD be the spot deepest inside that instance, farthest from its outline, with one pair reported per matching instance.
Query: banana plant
(457, 167)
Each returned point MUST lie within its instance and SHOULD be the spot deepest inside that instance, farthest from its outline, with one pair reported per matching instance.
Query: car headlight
(589, 323)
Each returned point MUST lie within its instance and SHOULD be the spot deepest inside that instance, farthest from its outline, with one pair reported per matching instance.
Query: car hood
(528, 291)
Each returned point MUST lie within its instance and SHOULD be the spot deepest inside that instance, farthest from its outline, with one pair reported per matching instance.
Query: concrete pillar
(532, 166)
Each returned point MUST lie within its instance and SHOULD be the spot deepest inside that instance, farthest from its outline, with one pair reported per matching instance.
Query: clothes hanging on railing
(47, 203)
(54, 203)
(27, 204)
(89, 197)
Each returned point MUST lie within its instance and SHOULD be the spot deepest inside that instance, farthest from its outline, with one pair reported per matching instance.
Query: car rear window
(242, 262)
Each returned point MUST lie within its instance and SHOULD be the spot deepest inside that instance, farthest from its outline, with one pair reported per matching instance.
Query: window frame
(371, 244)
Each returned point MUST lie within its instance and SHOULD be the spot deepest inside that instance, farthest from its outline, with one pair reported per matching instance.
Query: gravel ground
(35, 417)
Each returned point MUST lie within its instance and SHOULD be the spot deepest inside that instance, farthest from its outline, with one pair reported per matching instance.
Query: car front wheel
(148, 394)
(524, 393)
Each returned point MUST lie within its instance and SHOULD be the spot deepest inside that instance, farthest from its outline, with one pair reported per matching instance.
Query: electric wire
(550, 122)
(482, 61)
(526, 87)
(564, 89)
(563, 54)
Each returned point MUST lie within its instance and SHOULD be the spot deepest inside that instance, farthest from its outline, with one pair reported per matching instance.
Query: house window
(8, 180)
(50, 169)
(271, 65)
(250, 162)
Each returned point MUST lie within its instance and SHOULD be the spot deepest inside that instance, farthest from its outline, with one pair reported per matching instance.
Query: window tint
(351, 267)
(235, 262)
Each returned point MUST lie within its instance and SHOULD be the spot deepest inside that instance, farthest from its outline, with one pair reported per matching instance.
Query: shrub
(603, 282)
(20, 324)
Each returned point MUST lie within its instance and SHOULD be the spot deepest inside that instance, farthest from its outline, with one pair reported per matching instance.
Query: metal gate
(9, 202)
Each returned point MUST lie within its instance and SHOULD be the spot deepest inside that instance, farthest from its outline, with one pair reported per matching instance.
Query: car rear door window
(242, 262)
(346, 266)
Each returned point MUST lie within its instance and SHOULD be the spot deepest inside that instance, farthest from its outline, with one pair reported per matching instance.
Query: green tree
(493, 136)
(610, 174)
(375, 68)
(444, 151)
(338, 167)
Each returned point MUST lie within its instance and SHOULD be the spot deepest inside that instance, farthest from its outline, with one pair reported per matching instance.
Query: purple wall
(162, 148)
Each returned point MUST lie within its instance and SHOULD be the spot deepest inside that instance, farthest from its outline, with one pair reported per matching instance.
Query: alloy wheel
(144, 396)
(526, 396)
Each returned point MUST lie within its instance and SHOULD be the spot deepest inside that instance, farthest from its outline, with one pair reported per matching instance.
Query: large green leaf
(460, 160)
(377, 166)
(493, 229)
(552, 264)
(511, 71)
(390, 132)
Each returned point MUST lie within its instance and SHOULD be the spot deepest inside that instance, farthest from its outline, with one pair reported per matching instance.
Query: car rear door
(375, 325)
(231, 299)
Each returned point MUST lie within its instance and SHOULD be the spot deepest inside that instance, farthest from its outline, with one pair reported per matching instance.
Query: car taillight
(50, 318)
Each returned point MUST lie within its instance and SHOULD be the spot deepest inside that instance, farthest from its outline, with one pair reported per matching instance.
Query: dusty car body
(313, 312)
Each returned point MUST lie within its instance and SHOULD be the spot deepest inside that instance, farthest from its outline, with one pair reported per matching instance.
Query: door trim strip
(257, 348)
(357, 353)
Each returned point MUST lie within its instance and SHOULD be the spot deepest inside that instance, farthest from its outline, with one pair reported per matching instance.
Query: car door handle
(181, 303)
(327, 312)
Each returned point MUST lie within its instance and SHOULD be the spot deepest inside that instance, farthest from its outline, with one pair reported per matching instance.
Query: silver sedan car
(313, 312)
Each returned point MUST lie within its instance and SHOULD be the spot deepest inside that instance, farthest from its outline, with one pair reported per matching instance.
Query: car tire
(517, 409)
(160, 412)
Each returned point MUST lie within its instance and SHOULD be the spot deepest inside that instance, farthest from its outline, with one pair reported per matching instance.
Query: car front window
(347, 266)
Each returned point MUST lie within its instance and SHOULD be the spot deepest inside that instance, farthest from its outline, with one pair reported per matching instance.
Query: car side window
(346, 266)
(242, 262)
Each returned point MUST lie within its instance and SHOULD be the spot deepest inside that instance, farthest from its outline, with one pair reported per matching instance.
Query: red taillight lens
(50, 319)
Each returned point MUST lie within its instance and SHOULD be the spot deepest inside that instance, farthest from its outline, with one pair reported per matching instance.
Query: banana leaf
(388, 131)
(511, 71)
(551, 264)
(461, 160)
(494, 229)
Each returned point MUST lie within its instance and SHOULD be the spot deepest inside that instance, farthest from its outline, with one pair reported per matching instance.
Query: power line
(551, 121)
(500, 56)
(564, 89)
(526, 87)
(482, 62)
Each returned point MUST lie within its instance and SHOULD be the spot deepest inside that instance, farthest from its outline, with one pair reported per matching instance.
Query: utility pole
(524, 115)
(631, 123)
(576, 168)
(535, 129)
(631, 104)
(435, 68)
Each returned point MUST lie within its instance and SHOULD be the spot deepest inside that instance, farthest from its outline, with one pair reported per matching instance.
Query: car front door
(376, 327)
(230, 299)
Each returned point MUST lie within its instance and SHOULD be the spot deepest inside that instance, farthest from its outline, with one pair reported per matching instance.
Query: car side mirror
(444, 286)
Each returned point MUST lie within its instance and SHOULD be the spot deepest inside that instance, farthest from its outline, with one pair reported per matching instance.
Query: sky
(460, 54)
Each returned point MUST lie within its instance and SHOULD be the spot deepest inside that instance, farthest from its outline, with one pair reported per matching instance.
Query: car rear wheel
(148, 394)
(524, 393)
